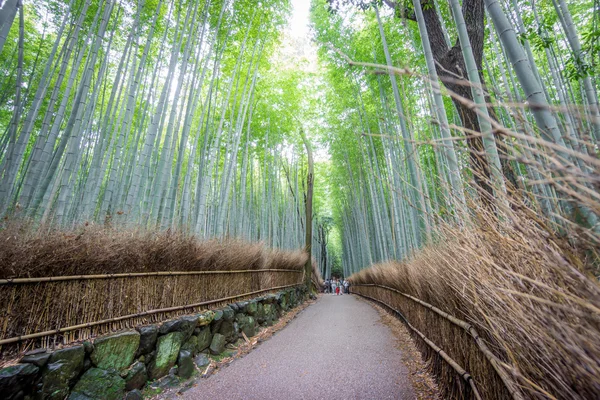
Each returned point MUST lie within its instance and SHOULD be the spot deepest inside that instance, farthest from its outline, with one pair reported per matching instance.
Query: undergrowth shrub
(113, 303)
(529, 293)
(85, 250)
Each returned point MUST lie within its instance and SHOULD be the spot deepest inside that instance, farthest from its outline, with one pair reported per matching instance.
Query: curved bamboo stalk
(491, 357)
(459, 370)
(124, 317)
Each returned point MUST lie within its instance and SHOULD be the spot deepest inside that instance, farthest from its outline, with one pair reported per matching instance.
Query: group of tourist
(337, 286)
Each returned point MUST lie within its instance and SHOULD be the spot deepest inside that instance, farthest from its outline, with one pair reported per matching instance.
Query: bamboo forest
(181, 179)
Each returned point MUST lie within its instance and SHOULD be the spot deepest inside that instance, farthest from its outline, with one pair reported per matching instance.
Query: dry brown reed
(522, 267)
(526, 291)
(87, 250)
(42, 306)
(316, 277)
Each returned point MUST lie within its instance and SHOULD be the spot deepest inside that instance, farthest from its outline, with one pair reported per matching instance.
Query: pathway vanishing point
(334, 349)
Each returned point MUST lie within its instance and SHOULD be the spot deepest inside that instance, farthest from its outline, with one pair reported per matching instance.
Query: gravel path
(335, 349)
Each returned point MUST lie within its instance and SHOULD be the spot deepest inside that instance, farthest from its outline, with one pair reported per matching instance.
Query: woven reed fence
(64, 309)
(453, 348)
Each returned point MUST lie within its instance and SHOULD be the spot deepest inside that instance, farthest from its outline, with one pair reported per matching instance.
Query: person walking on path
(333, 286)
(346, 287)
(337, 288)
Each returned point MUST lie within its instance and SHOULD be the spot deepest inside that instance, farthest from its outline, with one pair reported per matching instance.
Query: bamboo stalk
(17, 339)
(132, 275)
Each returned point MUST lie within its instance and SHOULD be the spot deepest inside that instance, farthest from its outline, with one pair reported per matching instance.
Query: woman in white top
(333, 286)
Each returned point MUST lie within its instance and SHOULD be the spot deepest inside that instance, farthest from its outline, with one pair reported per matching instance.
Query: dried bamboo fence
(455, 351)
(47, 311)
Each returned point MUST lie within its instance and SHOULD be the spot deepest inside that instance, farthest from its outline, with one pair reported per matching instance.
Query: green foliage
(252, 133)
(576, 68)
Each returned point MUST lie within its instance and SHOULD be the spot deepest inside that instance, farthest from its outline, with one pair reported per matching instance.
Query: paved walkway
(335, 349)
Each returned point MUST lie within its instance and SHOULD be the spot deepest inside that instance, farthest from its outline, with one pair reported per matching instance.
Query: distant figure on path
(333, 287)
(338, 287)
(346, 287)
(327, 286)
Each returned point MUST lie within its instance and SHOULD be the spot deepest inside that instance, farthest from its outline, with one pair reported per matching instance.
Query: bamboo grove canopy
(187, 115)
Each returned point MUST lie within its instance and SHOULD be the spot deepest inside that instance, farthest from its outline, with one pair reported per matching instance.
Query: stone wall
(119, 365)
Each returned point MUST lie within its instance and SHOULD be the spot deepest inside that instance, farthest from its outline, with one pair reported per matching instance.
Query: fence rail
(455, 366)
(49, 310)
(15, 281)
(494, 361)
(145, 313)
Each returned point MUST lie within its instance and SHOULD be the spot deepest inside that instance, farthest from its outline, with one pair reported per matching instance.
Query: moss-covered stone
(228, 313)
(201, 360)
(249, 326)
(115, 351)
(61, 372)
(185, 364)
(205, 318)
(99, 384)
(168, 381)
(88, 347)
(239, 316)
(283, 302)
(216, 325)
(204, 339)
(167, 350)
(218, 314)
(38, 359)
(191, 345)
(251, 308)
(237, 332)
(185, 325)
(218, 344)
(148, 336)
(227, 329)
(149, 357)
(72, 355)
(270, 313)
(179, 338)
(260, 313)
(293, 299)
(87, 364)
(136, 376)
(17, 380)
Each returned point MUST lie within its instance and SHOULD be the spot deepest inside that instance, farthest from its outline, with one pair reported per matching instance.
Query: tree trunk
(455, 178)
(309, 198)
(452, 71)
